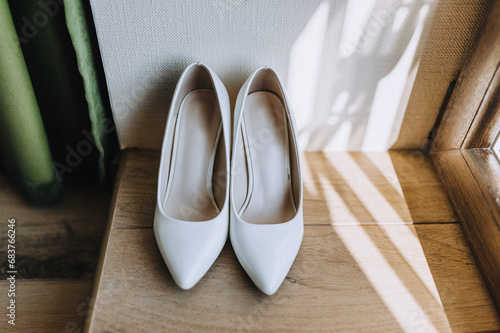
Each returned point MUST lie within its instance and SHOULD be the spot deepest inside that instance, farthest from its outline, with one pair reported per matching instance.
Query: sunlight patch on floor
(412, 314)
(370, 196)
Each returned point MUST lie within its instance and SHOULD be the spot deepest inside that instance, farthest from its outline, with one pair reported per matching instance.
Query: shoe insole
(197, 133)
(269, 197)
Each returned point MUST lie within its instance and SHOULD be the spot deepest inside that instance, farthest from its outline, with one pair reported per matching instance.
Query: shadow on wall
(345, 63)
(348, 99)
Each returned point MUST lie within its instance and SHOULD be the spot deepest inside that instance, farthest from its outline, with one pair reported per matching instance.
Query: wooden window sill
(382, 250)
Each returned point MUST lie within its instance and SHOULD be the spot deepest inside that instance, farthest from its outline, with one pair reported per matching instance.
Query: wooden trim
(467, 195)
(469, 102)
(486, 125)
(462, 150)
(102, 254)
(485, 169)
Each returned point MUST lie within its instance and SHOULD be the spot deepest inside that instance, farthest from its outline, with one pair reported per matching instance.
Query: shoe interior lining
(263, 186)
(195, 190)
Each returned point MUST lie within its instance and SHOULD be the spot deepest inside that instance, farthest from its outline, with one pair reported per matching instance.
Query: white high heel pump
(267, 224)
(192, 214)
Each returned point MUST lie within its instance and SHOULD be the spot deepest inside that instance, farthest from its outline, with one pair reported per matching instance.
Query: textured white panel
(345, 63)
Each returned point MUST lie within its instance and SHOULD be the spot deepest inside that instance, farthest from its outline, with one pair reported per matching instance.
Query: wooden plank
(356, 187)
(472, 84)
(480, 226)
(345, 278)
(459, 282)
(424, 193)
(47, 306)
(136, 194)
(57, 247)
(59, 241)
(339, 188)
(352, 188)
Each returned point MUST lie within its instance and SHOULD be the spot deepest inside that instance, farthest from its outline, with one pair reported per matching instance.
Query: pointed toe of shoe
(189, 248)
(267, 252)
(266, 282)
(187, 277)
(185, 272)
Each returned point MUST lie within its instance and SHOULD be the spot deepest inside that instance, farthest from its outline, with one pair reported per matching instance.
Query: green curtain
(54, 115)
(24, 146)
(82, 32)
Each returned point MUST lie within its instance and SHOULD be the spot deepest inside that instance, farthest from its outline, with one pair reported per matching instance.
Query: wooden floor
(57, 250)
(382, 251)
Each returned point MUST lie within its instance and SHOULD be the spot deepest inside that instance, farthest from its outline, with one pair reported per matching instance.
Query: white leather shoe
(267, 222)
(192, 209)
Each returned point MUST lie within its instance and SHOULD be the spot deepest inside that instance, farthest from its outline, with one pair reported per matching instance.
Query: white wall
(345, 63)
